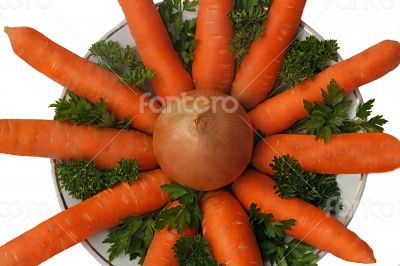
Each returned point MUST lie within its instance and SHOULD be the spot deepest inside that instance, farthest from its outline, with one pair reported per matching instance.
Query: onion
(203, 140)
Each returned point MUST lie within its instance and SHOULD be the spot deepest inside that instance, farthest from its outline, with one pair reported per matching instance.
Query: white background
(27, 195)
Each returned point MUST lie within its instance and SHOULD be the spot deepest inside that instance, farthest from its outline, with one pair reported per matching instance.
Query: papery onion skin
(203, 150)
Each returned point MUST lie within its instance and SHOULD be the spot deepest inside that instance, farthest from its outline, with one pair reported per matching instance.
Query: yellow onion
(203, 140)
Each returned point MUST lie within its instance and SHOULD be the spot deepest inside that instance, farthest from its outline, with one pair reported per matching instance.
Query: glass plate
(352, 186)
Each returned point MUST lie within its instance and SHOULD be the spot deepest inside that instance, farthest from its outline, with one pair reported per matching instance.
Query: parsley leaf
(83, 180)
(327, 118)
(132, 237)
(299, 253)
(332, 115)
(122, 61)
(271, 236)
(292, 181)
(374, 124)
(135, 235)
(187, 212)
(81, 111)
(194, 252)
(268, 227)
(306, 58)
(182, 32)
(248, 18)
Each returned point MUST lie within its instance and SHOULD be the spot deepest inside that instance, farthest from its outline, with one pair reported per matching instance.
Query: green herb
(83, 180)
(299, 253)
(271, 238)
(327, 118)
(81, 111)
(122, 61)
(187, 212)
(194, 252)
(269, 228)
(292, 181)
(132, 237)
(182, 32)
(332, 116)
(248, 17)
(306, 58)
(362, 122)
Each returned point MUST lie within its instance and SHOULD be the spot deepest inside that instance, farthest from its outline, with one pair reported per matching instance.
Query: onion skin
(203, 150)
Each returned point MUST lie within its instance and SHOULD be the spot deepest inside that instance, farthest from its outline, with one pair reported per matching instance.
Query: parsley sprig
(304, 59)
(122, 61)
(113, 57)
(271, 236)
(332, 115)
(83, 180)
(182, 32)
(186, 213)
(133, 238)
(81, 111)
(292, 181)
(248, 17)
(194, 252)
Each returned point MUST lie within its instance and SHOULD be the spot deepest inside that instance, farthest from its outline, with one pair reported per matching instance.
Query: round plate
(352, 186)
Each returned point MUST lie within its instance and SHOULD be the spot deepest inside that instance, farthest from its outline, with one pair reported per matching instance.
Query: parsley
(363, 122)
(182, 32)
(187, 212)
(266, 226)
(248, 18)
(133, 237)
(81, 111)
(271, 236)
(122, 61)
(83, 180)
(306, 58)
(194, 252)
(327, 118)
(113, 57)
(332, 115)
(299, 253)
(292, 181)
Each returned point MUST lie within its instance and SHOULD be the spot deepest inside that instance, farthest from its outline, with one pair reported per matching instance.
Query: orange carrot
(343, 154)
(155, 48)
(81, 76)
(313, 226)
(228, 230)
(214, 63)
(259, 70)
(161, 251)
(280, 112)
(75, 224)
(66, 141)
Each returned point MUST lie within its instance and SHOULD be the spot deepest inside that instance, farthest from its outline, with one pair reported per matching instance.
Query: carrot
(75, 224)
(81, 76)
(161, 251)
(259, 70)
(343, 154)
(280, 112)
(155, 48)
(228, 230)
(66, 141)
(214, 63)
(313, 226)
